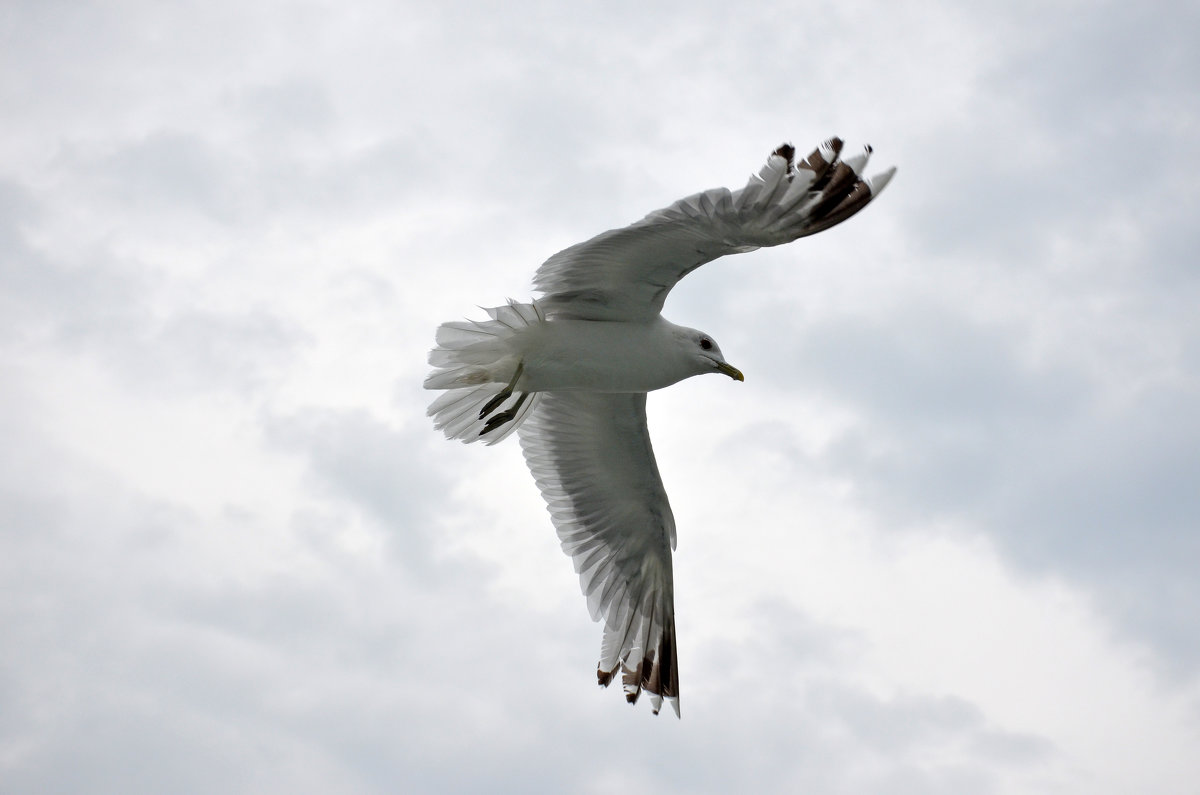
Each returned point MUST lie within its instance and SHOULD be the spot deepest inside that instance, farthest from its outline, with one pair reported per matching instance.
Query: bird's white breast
(600, 356)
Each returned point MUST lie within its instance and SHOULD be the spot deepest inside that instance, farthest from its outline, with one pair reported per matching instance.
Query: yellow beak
(731, 371)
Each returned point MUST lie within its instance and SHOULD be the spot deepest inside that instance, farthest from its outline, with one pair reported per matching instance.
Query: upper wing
(625, 274)
(590, 455)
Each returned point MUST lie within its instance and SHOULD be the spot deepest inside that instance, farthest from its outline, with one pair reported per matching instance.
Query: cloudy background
(943, 540)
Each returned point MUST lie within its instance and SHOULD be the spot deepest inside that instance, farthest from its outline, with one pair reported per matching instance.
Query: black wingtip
(788, 153)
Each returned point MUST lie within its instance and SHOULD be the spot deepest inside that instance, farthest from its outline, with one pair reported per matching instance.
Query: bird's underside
(588, 449)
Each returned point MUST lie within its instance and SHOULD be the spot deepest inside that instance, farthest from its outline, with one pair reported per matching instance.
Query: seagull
(569, 372)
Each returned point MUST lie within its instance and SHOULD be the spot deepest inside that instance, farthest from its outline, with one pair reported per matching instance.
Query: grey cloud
(200, 350)
(1107, 99)
(908, 722)
(105, 304)
(940, 369)
(40, 296)
(17, 208)
(1085, 124)
(49, 302)
(150, 671)
(167, 171)
(955, 423)
(152, 668)
(289, 107)
(374, 467)
(784, 711)
(240, 185)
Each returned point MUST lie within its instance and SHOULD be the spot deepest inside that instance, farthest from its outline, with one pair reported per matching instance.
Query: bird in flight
(569, 372)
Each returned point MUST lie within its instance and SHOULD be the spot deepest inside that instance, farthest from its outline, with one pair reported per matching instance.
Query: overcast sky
(944, 539)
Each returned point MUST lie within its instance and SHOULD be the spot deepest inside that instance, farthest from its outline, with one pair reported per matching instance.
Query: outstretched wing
(591, 457)
(625, 274)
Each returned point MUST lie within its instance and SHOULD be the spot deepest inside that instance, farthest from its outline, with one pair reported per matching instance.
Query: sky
(944, 539)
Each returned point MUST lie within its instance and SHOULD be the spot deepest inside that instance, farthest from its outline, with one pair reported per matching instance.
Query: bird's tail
(476, 366)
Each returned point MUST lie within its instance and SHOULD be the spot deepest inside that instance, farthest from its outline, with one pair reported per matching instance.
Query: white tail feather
(475, 363)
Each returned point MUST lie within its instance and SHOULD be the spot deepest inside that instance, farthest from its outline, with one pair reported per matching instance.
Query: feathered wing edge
(582, 448)
(818, 192)
(787, 198)
(474, 365)
(626, 273)
(649, 662)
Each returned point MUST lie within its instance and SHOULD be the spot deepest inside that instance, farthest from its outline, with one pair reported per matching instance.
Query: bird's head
(705, 355)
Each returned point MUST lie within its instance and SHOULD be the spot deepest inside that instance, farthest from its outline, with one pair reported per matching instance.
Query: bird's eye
(705, 344)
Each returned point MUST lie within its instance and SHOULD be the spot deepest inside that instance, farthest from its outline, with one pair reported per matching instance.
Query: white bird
(570, 372)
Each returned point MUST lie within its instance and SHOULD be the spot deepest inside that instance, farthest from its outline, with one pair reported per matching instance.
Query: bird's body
(570, 372)
(566, 354)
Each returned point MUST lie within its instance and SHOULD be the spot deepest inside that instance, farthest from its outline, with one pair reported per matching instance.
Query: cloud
(939, 542)
(1068, 476)
(365, 464)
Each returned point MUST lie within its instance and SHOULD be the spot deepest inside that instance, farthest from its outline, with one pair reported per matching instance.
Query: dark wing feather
(625, 274)
(591, 457)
